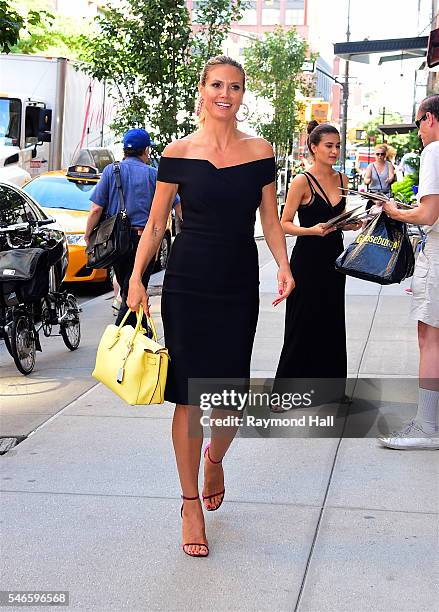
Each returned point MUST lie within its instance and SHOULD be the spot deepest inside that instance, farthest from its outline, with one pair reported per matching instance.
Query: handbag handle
(139, 315)
(116, 172)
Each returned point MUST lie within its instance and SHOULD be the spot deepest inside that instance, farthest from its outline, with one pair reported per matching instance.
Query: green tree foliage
(146, 52)
(213, 23)
(273, 66)
(54, 35)
(142, 51)
(371, 127)
(14, 24)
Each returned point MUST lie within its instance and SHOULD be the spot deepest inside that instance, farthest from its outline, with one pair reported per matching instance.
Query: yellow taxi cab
(65, 195)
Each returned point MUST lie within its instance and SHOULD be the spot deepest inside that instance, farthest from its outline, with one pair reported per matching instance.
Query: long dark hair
(315, 132)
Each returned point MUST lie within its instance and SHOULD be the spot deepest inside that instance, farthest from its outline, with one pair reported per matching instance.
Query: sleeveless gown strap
(313, 178)
(325, 197)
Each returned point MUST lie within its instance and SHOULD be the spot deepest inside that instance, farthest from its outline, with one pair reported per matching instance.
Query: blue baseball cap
(137, 139)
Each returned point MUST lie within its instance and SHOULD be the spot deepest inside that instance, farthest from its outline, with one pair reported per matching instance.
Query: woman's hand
(321, 229)
(137, 296)
(285, 283)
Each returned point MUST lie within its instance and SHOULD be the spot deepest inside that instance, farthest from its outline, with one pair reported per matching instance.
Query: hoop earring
(247, 113)
(199, 106)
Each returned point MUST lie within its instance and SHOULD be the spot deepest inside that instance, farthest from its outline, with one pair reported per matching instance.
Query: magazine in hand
(378, 197)
(341, 219)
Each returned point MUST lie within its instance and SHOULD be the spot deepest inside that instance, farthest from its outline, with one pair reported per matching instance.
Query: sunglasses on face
(379, 154)
(419, 121)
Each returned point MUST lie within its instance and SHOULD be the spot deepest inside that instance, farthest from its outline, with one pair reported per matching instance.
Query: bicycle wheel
(70, 326)
(23, 344)
(46, 317)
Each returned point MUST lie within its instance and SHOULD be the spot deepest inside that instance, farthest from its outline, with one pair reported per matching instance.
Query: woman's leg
(221, 439)
(187, 437)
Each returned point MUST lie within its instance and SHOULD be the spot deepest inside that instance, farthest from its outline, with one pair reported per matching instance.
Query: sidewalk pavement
(91, 499)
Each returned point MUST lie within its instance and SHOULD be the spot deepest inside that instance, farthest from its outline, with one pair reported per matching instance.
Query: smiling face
(327, 151)
(223, 91)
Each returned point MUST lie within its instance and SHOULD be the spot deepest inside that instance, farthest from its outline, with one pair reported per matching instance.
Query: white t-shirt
(429, 177)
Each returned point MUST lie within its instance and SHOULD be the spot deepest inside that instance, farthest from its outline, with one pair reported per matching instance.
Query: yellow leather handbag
(132, 365)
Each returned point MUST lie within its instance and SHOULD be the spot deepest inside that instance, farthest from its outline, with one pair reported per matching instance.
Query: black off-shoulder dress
(210, 298)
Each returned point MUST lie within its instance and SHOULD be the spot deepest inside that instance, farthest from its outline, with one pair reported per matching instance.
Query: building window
(294, 12)
(250, 15)
(270, 12)
(195, 4)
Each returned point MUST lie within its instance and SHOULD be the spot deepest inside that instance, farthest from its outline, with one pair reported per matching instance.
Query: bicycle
(21, 321)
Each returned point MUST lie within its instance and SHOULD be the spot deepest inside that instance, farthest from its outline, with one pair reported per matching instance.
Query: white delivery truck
(49, 110)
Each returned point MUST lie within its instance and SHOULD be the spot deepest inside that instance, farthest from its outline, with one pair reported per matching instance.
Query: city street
(124, 123)
(91, 499)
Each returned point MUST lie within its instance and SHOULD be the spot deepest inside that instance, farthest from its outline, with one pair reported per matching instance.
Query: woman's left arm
(275, 237)
(391, 173)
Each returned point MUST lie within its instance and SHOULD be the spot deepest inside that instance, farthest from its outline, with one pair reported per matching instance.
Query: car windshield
(60, 192)
(10, 110)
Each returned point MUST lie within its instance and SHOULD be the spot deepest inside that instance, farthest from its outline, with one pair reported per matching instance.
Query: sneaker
(412, 437)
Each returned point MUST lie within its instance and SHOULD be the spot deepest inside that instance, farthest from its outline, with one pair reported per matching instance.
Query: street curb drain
(8, 443)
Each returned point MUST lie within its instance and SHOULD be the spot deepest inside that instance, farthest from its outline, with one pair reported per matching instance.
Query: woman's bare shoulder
(258, 146)
(178, 148)
(344, 179)
(299, 181)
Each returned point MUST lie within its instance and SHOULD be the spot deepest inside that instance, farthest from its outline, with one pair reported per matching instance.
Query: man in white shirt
(422, 432)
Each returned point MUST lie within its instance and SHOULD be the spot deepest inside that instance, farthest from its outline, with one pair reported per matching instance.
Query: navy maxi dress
(315, 329)
(210, 299)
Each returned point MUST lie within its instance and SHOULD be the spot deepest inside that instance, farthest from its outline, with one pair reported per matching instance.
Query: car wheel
(163, 256)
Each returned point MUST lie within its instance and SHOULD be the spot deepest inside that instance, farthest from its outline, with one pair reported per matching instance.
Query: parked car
(65, 195)
(16, 207)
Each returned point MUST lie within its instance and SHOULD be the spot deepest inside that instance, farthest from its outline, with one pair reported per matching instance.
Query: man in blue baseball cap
(138, 180)
(136, 140)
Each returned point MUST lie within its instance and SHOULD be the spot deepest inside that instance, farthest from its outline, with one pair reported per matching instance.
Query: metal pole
(103, 113)
(56, 152)
(384, 120)
(344, 125)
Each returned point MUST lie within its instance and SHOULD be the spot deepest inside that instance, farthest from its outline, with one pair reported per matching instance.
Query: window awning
(359, 51)
(397, 128)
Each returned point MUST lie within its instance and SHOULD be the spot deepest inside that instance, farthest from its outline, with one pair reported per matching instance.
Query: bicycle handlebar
(15, 227)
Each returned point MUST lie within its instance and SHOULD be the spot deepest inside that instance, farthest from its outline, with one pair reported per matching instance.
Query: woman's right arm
(368, 175)
(150, 242)
(296, 194)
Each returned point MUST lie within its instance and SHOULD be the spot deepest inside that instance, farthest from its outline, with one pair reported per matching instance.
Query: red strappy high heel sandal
(222, 493)
(200, 554)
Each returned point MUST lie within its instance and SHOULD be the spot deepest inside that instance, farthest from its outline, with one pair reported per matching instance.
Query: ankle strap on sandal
(207, 452)
(190, 498)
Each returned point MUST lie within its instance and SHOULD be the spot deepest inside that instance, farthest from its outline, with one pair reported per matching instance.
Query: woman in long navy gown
(314, 350)
(210, 292)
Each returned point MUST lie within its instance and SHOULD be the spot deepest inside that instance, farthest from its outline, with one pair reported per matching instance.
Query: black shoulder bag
(110, 239)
